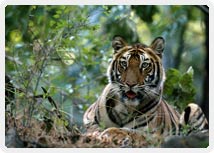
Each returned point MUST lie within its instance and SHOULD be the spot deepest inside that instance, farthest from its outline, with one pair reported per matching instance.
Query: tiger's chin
(131, 98)
(132, 103)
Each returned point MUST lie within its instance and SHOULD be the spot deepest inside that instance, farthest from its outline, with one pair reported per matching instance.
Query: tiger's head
(136, 71)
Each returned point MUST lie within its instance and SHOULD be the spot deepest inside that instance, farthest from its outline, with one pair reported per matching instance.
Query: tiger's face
(137, 72)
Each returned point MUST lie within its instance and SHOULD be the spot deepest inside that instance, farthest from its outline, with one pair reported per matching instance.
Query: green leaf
(56, 16)
(179, 89)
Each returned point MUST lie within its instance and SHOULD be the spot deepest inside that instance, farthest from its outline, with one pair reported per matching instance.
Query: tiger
(132, 102)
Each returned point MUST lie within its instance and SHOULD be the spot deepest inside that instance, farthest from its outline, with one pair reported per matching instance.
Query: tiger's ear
(158, 45)
(117, 43)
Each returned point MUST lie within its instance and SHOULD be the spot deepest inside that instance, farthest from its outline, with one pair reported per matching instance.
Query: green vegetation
(179, 89)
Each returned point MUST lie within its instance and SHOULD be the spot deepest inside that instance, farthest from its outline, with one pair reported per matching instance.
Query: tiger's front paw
(116, 135)
(122, 137)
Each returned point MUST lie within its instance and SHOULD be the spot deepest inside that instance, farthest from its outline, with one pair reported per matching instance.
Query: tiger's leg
(119, 136)
(122, 136)
(90, 123)
(193, 120)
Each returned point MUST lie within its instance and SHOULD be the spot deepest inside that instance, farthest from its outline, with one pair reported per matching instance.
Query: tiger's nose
(131, 84)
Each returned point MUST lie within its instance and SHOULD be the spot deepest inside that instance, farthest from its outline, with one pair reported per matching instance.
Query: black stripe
(113, 115)
(112, 71)
(199, 123)
(144, 123)
(149, 106)
(152, 63)
(117, 72)
(96, 120)
(158, 73)
(172, 118)
(152, 76)
(134, 116)
(97, 115)
(200, 115)
(124, 58)
(186, 114)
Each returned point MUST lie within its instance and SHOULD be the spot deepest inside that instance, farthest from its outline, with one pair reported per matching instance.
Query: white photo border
(4, 3)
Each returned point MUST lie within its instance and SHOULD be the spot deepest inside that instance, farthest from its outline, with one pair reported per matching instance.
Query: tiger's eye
(145, 65)
(123, 63)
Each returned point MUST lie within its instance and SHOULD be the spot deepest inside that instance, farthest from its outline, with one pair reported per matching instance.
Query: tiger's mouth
(130, 94)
